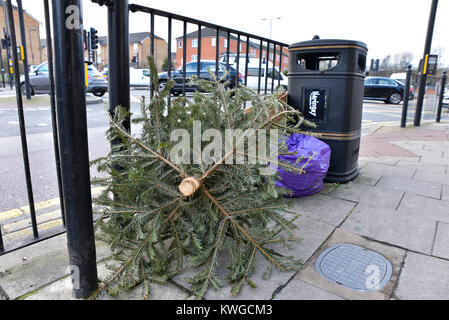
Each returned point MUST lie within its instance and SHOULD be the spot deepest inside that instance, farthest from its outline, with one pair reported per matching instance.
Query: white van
(253, 72)
(139, 77)
(401, 76)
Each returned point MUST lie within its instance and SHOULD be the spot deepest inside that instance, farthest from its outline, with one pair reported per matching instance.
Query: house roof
(133, 38)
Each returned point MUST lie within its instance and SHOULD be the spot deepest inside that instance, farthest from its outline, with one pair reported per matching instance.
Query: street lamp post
(271, 23)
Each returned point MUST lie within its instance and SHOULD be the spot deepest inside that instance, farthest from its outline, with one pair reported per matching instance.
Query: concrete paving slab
(322, 208)
(425, 208)
(62, 290)
(435, 160)
(391, 227)
(312, 277)
(313, 233)
(33, 267)
(300, 290)
(425, 167)
(423, 188)
(441, 245)
(423, 278)
(328, 188)
(368, 195)
(373, 172)
(425, 175)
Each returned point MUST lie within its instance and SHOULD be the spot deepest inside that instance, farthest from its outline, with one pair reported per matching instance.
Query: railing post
(24, 44)
(440, 100)
(26, 161)
(406, 97)
(72, 128)
(118, 43)
(423, 77)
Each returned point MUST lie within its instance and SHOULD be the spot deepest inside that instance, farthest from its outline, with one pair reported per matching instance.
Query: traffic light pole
(25, 60)
(423, 77)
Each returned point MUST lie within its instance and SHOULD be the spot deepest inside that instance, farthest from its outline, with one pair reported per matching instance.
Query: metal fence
(434, 107)
(37, 235)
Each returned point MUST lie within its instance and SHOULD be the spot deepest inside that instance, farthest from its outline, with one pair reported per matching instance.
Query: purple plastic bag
(311, 181)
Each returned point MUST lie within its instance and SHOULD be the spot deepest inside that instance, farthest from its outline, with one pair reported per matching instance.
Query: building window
(225, 43)
(180, 44)
(253, 52)
(214, 42)
(271, 56)
(194, 57)
(285, 59)
(195, 43)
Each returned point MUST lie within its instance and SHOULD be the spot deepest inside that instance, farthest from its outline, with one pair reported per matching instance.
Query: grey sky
(386, 26)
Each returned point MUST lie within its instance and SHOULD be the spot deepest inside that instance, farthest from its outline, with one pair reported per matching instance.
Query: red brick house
(208, 47)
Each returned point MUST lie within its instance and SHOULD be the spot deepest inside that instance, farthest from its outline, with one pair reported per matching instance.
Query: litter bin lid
(328, 44)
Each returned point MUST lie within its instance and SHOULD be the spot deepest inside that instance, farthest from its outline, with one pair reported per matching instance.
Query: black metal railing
(264, 47)
(434, 107)
(37, 235)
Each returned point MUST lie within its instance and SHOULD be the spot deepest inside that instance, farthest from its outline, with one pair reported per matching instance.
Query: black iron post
(423, 77)
(72, 128)
(26, 161)
(53, 107)
(118, 38)
(440, 100)
(8, 45)
(3, 69)
(406, 96)
(24, 45)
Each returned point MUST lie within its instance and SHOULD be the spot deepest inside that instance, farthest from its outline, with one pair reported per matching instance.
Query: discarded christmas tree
(170, 205)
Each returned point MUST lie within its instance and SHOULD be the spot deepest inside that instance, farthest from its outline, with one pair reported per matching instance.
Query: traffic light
(84, 39)
(7, 41)
(93, 39)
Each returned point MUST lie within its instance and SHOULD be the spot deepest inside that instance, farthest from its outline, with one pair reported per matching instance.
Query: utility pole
(25, 60)
(423, 76)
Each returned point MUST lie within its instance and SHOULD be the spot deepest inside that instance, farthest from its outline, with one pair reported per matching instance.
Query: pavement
(398, 207)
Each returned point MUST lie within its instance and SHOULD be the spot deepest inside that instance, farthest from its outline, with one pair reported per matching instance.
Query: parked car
(139, 77)
(385, 89)
(191, 70)
(253, 72)
(105, 74)
(40, 81)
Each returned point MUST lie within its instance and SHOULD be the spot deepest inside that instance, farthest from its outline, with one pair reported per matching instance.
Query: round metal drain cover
(354, 267)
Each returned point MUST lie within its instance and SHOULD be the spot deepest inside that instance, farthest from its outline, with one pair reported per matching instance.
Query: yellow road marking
(13, 213)
(28, 231)
(22, 224)
(6, 215)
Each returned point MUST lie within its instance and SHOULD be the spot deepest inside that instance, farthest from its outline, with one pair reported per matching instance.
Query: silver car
(40, 81)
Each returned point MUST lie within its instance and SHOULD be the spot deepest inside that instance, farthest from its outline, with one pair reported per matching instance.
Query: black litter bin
(326, 83)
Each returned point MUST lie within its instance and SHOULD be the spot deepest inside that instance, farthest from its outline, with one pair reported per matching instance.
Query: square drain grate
(354, 267)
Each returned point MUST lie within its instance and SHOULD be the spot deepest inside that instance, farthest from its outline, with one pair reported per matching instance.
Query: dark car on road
(40, 81)
(192, 69)
(385, 89)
